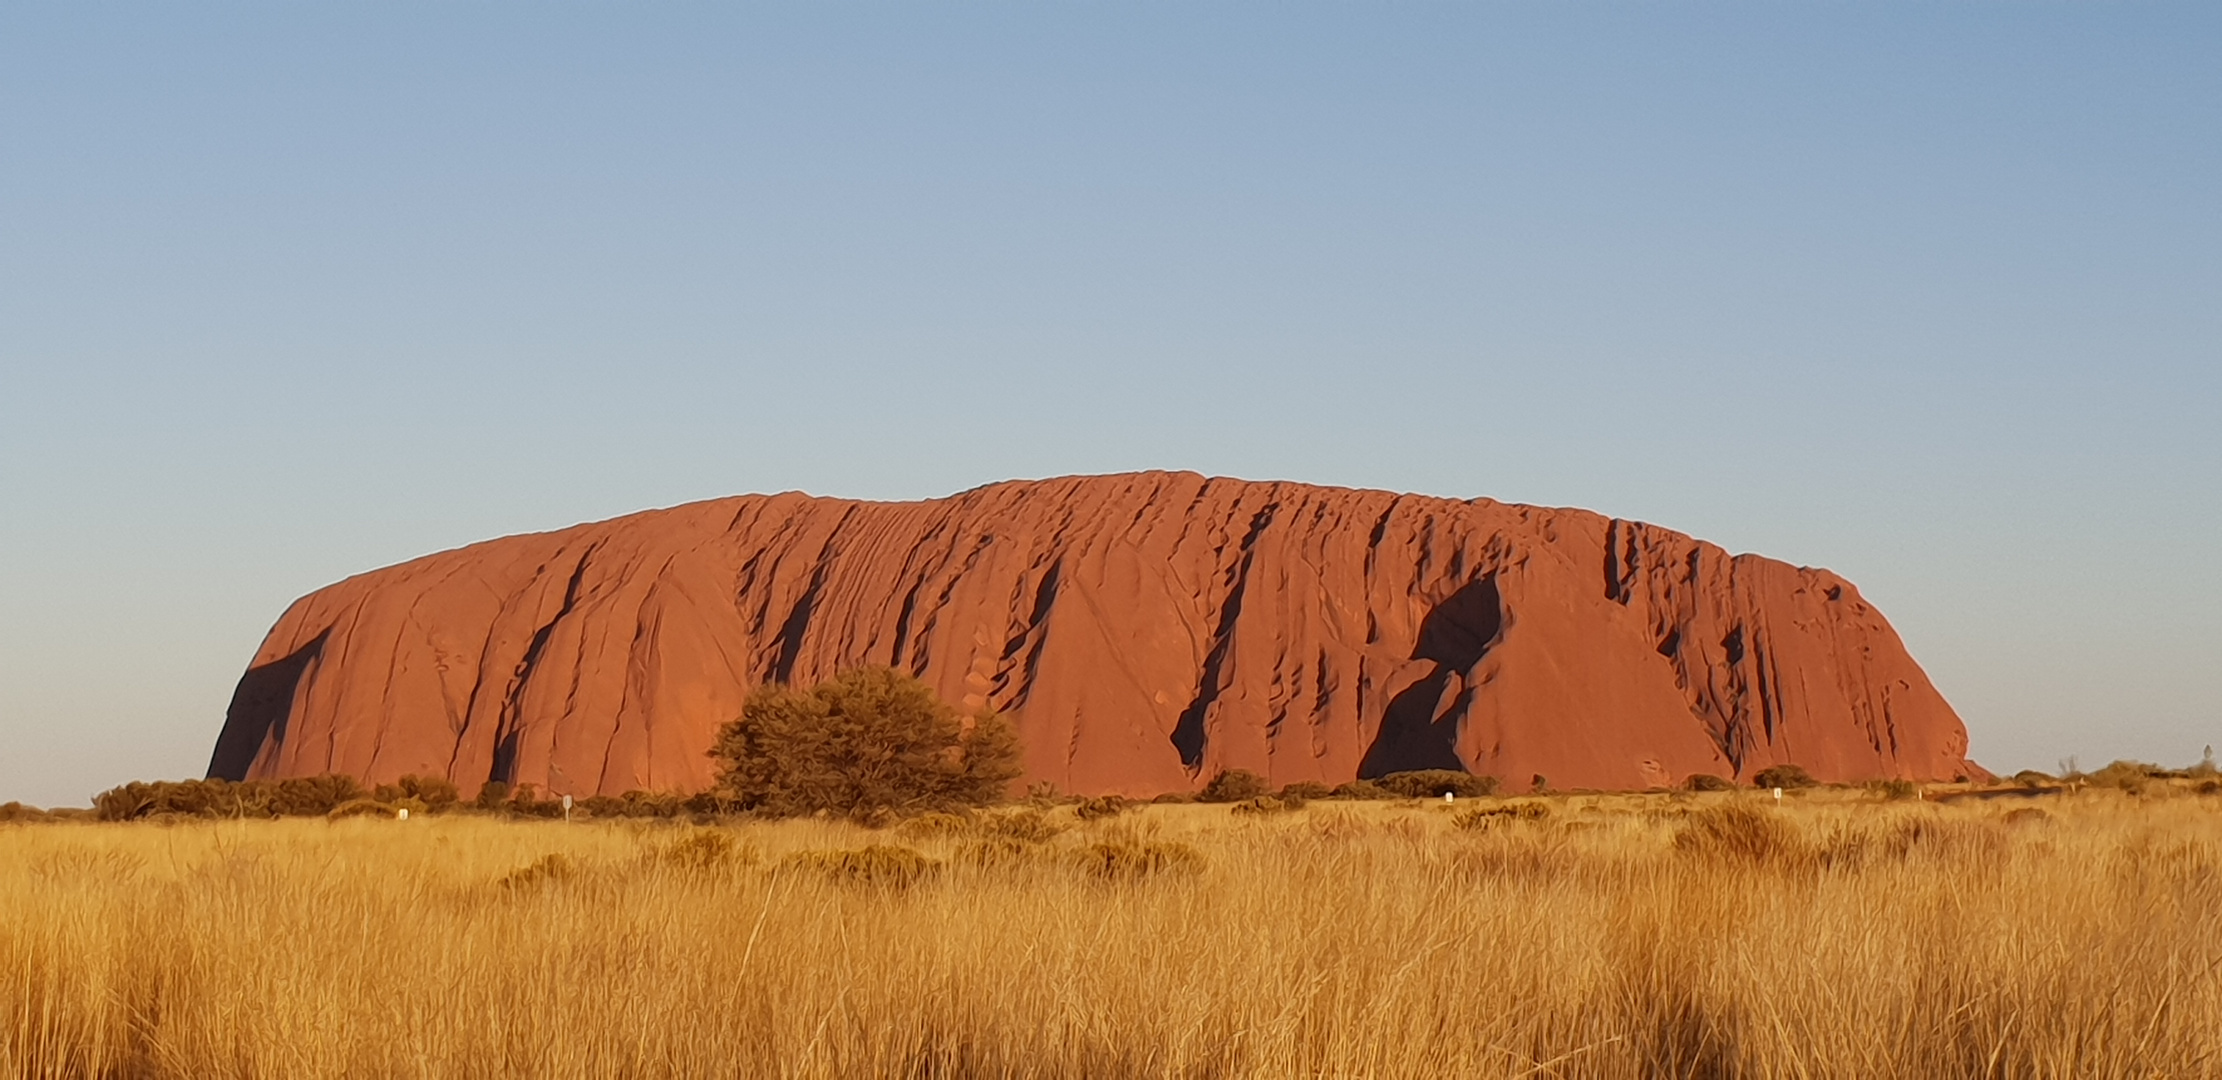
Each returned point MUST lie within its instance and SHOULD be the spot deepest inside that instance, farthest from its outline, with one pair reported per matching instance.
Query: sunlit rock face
(1144, 631)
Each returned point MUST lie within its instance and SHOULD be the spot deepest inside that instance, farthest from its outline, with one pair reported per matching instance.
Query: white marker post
(1778, 796)
(567, 807)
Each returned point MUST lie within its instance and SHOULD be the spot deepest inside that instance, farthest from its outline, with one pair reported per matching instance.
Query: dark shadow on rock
(1455, 635)
(259, 707)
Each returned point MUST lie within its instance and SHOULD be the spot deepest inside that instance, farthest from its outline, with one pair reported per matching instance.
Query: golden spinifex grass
(1615, 936)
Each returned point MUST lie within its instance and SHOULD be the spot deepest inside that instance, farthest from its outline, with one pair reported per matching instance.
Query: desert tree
(870, 738)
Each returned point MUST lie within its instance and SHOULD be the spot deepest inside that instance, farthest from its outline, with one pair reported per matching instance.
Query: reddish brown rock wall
(1144, 631)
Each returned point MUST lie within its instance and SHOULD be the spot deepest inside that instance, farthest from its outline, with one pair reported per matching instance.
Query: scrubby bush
(1129, 860)
(1738, 833)
(869, 738)
(1707, 782)
(1436, 783)
(1030, 826)
(305, 796)
(1894, 790)
(361, 808)
(1233, 785)
(705, 851)
(15, 811)
(492, 795)
(1787, 777)
(2031, 778)
(1361, 790)
(1263, 804)
(1104, 806)
(1978, 842)
(657, 804)
(548, 870)
(526, 801)
(996, 852)
(313, 796)
(2129, 776)
(436, 793)
(879, 864)
(938, 823)
(1486, 817)
(1304, 791)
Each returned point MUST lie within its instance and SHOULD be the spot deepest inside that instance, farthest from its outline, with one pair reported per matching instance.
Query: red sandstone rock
(1144, 631)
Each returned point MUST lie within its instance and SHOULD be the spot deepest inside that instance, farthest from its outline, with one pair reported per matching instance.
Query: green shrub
(1707, 782)
(1234, 785)
(1436, 783)
(869, 738)
(1786, 777)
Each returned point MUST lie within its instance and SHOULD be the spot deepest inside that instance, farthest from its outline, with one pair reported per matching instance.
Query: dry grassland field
(1701, 935)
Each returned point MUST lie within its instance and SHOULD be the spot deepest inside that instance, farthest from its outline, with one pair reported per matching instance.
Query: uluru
(1142, 631)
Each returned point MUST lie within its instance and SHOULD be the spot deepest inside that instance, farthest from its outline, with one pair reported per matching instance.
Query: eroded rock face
(1143, 630)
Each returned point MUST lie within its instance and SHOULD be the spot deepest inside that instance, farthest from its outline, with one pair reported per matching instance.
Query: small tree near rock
(1436, 783)
(1233, 786)
(1788, 777)
(868, 739)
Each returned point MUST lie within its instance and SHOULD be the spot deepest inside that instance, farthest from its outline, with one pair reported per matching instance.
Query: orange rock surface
(1144, 631)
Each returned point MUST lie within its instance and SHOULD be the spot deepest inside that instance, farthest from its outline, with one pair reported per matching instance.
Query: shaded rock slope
(1144, 631)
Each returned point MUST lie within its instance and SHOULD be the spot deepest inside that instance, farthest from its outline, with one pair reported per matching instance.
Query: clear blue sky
(1930, 294)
